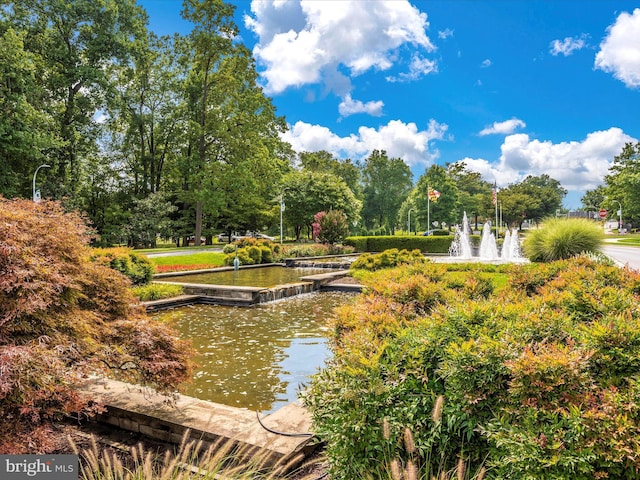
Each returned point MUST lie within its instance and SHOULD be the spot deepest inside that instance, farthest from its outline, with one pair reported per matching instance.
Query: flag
(433, 195)
(494, 194)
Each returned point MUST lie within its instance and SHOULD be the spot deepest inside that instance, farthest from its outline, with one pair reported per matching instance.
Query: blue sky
(512, 87)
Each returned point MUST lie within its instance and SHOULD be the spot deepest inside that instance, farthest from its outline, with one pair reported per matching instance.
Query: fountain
(461, 246)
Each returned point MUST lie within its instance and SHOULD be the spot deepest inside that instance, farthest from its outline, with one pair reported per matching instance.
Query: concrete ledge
(142, 410)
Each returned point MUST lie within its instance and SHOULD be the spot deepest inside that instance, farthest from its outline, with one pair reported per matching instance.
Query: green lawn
(193, 261)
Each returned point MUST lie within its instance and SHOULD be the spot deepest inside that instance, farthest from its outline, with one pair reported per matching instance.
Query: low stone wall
(142, 410)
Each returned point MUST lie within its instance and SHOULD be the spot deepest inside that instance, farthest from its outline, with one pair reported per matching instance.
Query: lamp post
(281, 210)
(34, 182)
(409, 221)
(619, 215)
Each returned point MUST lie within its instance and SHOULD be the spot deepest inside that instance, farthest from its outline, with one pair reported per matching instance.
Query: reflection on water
(256, 357)
(249, 277)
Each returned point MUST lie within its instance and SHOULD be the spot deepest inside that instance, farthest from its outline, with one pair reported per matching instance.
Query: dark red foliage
(63, 318)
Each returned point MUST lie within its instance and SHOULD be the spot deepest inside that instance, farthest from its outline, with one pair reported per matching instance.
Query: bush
(560, 238)
(156, 291)
(540, 380)
(63, 317)
(389, 258)
(124, 260)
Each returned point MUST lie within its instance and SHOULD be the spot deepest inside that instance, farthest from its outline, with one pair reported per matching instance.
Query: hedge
(430, 244)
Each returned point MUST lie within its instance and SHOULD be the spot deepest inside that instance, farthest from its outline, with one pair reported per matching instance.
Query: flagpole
(428, 208)
(496, 204)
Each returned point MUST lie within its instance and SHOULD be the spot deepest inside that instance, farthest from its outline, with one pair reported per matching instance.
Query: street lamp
(409, 221)
(619, 215)
(281, 211)
(34, 182)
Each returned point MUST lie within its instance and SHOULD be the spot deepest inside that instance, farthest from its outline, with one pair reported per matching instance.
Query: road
(629, 256)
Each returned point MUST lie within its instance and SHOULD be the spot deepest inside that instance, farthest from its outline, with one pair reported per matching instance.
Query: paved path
(624, 255)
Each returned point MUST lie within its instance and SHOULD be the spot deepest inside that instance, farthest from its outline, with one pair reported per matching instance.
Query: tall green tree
(323, 161)
(623, 183)
(231, 122)
(76, 44)
(26, 130)
(307, 193)
(386, 184)
(145, 114)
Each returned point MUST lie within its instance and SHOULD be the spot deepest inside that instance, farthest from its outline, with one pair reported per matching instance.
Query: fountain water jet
(461, 246)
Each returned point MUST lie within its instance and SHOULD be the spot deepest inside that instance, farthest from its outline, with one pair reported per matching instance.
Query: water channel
(259, 357)
(255, 277)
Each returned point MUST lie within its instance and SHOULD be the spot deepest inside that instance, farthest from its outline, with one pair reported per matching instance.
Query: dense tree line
(173, 136)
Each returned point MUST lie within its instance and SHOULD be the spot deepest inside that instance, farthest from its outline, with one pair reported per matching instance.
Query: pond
(266, 277)
(259, 357)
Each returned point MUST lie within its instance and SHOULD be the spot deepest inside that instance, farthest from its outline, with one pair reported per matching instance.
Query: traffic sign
(602, 213)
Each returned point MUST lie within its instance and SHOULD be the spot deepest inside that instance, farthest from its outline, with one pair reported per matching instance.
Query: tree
(386, 184)
(75, 44)
(446, 208)
(473, 191)
(546, 196)
(26, 131)
(623, 183)
(231, 127)
(150, 218)
(62, 318)
(330, 227)
(307, 193)
(593, 200)
(323, 161)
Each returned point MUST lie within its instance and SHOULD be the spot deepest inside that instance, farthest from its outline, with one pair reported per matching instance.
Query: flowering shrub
(63, 317)
(540, 378)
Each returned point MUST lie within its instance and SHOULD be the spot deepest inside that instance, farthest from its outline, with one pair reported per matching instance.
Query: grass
(156, 291)
(193, 261)
(191, 460)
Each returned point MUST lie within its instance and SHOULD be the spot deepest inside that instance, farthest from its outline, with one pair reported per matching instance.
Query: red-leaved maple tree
(63, 318)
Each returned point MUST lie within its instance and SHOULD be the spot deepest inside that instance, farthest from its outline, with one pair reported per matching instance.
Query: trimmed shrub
(430, 244)
(132, 265)
(389, 258)
(538, 380)
(156, 291)
(560, 238)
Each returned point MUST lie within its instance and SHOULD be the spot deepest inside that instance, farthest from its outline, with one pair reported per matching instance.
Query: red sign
(602, 213)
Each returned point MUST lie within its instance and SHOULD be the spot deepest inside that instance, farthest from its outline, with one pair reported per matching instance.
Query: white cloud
(506, 127)
(486, 63)
(567, 46)
(577, 165)
(302, 42)
(399, 139)
(419, 67)
(444, 34)
(348, 106)
(620, 50)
